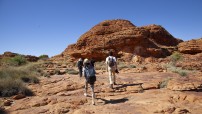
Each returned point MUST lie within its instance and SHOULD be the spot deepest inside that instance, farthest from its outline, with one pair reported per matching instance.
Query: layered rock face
(124, 39)
(191, 47)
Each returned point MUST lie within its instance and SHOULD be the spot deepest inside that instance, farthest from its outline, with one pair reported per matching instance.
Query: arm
(115, 62)
(106, 62)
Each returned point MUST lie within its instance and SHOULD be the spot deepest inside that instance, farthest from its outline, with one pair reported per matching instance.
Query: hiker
(80, 66)
(89, 74)
(111, 68)
(92, 61)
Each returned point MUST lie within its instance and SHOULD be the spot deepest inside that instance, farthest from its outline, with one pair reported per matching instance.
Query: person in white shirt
(111, 68)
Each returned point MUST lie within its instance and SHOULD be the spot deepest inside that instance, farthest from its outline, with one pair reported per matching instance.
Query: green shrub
(72, 71)
(18, 60)
(13, 61)
(43, 57)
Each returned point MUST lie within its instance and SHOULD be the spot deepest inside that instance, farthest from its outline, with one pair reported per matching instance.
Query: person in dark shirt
(92, 62)
(80, 66)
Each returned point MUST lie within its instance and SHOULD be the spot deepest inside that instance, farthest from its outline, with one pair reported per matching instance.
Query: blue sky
(36, 27)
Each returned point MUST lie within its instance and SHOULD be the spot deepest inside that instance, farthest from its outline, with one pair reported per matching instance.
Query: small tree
(43, 57)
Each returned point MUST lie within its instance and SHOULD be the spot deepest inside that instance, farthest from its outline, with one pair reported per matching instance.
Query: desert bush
(100, 66)
(72, 71)
(164, 83)
(18, 60)
(105, 24)
(122, 65)
(172, 68)
(57, 72)
(180, 71)
(13, 79)
(13, 61)
(16, 73)
(175, 57)
(43, 57)
(132, 66)
(9, 87)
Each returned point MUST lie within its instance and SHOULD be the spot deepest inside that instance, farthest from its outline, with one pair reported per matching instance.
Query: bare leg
(86, 88)
(93, 94)
(110, 78)
(114, 77)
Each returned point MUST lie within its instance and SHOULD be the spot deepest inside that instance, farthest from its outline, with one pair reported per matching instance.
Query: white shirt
(107, 59)
(107, 62)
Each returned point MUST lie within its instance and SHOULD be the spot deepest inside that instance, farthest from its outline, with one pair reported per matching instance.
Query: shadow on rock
(125, 85)
(114, 101)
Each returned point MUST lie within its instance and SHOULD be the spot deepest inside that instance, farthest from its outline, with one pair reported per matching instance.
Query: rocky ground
(135, 93)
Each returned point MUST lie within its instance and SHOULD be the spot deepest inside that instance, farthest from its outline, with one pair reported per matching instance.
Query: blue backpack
(89, 73)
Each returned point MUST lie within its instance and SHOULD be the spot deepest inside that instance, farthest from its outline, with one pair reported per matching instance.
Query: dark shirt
(92, 62)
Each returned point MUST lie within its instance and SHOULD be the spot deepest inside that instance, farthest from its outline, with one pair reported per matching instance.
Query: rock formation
(8, 54)
(29, 58)
(191, 47)
(124, 38)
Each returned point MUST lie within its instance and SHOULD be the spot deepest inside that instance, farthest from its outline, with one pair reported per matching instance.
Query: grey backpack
(111, 61)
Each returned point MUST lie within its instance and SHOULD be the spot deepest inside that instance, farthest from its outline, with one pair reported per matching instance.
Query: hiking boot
(93, 102)
(85, 94)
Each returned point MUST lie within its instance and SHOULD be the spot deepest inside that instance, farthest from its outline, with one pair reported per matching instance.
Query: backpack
(111, 61)
(90, 74)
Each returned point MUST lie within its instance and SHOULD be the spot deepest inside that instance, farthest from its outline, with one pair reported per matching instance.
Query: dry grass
(164, 83)
(72, 71)
(13, 79)
(100, 66)
(120, 65)
(178, 70)
(9, 87)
